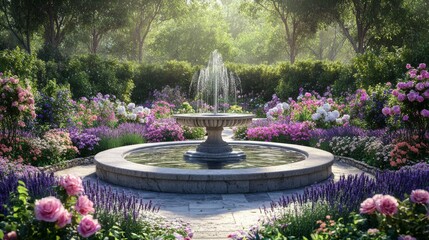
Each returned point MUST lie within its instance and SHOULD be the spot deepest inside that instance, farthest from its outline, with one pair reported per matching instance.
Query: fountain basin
(112, 167)
(213, 120)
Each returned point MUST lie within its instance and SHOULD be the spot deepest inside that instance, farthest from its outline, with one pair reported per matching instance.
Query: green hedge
(155, 76)
(130, 81)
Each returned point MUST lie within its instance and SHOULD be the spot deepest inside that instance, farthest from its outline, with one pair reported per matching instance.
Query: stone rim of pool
(111, 166)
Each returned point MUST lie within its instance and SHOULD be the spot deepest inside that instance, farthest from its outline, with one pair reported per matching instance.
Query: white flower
(286, 106)
(346, 117)
(326, 106)
(138, 109)
(131, 106)
(315, 116)
(339, 121)
(279, 106)
(336, 114)
(331, 117)
(142, 120)
(321, 111)
(146, 110)
(132, 116)
(270, 117)
(120, 110)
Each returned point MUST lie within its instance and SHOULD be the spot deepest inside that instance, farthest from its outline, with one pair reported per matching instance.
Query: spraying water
(215, 85)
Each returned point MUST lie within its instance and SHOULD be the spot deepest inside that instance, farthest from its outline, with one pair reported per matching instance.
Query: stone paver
(212, 216)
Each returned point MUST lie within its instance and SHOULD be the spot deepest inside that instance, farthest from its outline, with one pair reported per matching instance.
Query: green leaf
(1, 234)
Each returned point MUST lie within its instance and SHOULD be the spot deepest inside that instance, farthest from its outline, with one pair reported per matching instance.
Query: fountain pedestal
(214, 149)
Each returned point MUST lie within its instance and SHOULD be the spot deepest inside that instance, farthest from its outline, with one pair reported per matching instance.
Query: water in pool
(256, 156)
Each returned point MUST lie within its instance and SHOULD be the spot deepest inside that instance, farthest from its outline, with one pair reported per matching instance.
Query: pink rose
(395, 92)
(48, 209)
(405, 118)
(64, 219)
(422, 65)
(88, 226)
(373, 231)
(420, 86)
(406, 237)
(367, 206)
(426, 94)
(408, 66)
(72, 184)
(412, 96)
(84, 205)
(401, 97)
(11, 236)
(420, 196)
(420, 99)
(386, 111)
(396, 109)
(387, 205)
(425, 113)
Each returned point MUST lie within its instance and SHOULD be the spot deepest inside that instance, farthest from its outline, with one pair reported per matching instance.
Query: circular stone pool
(311, 165)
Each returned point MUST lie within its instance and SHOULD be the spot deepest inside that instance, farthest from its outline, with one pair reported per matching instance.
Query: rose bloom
(387, 205)
(367, 206)
(406, 237)
(11, 236)
(48, 209)
(72, 184)
(373, 231)
(419, 196)
(64, 219)
(84, 205)
(88, 226)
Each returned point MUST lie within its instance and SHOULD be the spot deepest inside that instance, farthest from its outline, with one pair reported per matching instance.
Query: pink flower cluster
(420, 196)
(16, 102)
(384, 204)
(412, 93)
(50, 209)
(276, 131)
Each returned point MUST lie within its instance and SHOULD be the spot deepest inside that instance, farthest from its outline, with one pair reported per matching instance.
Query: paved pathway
(212, 216)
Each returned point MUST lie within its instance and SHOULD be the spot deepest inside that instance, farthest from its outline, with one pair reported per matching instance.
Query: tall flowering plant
(16, 106)
(410, 99)
(66, 216)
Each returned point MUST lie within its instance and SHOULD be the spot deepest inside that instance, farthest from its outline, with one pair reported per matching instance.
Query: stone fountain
(219, 168)
(212, 82)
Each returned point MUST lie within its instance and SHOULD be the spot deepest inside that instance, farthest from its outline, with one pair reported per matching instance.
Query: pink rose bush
(63, 217)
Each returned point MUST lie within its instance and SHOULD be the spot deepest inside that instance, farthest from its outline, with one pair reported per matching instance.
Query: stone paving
(212, 216)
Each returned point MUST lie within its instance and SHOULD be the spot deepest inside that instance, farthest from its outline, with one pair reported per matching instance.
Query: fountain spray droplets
(215, 85)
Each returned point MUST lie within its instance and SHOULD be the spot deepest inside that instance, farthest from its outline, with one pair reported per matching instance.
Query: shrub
(54, 106)
(89, 75)
(17, 62)
(163, 130)
(153, 76)
(16, 107)
(311, 75)
(281, 132)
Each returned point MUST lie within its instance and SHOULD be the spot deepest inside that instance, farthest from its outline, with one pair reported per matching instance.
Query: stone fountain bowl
(211, 120)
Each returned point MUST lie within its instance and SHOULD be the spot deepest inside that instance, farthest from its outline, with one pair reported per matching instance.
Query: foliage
(21, 64)
(310, 75)
(149, 77)
(281, 132)
(193, 132)
(90, 74)
(54, 106)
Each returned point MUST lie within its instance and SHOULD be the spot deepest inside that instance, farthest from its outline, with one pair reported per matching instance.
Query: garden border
(358, 164)
(68, 164)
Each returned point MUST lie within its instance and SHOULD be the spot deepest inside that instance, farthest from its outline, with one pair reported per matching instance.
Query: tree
(362, 22)
(60, 17)
(102, 17)
(193, 36)
(327, 44)
(298, 23)
(21, 18)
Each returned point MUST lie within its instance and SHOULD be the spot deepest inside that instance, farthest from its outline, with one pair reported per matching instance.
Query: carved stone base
(232, 156)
